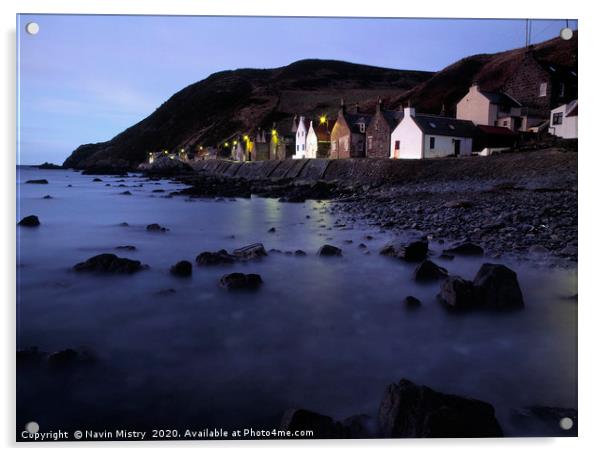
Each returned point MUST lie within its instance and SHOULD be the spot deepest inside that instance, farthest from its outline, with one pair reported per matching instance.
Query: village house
(318, 139)
(378, 132)
(427, 136)
(490, 108)
(348, 136)
(301, 138)
(563, 121)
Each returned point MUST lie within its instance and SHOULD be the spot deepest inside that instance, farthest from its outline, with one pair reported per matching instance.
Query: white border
(589, 170)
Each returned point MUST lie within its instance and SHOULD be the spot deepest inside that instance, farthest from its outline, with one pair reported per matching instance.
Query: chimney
(342, 109)
(295, 125)
(378, 103)
(301, 120)
(409, 111)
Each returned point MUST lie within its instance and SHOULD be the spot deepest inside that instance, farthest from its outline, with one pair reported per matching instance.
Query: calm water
(327, 334)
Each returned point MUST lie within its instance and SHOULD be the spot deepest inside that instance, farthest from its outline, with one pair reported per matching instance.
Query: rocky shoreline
(522, 204)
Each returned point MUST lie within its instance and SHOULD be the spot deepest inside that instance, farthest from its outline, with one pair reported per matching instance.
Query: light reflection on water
(326, 334)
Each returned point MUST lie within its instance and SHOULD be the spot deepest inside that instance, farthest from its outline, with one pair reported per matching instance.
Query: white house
(239, 153)
(311, 144)
(427, 136)
(301, 139)
(490, 108)
(563, 120)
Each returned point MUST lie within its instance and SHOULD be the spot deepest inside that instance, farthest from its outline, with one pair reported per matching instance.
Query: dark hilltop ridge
(232, 102)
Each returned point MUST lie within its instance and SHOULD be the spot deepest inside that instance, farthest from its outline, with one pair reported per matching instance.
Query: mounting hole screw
(32, 427)
(566, 33)
(566, 423)
(32, 28)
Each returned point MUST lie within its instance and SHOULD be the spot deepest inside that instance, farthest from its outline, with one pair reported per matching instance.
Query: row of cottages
(312, 141)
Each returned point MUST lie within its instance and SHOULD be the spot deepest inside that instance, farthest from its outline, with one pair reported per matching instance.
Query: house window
(369, 142)
(302, 146)
(557, 118)
(396, 145)
(432, 142)
(543, 89)
(362, 128)
(505, 123)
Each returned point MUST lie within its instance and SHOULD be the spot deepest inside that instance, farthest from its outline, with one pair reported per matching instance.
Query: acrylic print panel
(229, 228)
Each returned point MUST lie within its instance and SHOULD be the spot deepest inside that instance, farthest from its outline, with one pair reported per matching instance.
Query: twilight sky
(84, 79)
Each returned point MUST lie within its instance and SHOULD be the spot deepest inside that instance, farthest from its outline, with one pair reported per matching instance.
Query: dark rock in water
(498, 287)
(275, 251)
(109, 263)
(546, 421)
(68, 358)
(37, 181)
(457, 293)
(240, 281)
(47, 165)
(97, 179)
(361, 245)
(412, 302)
(348, 241)
(127, 192)
(126, 247)
(272, 230)
(250, 252)
(182, 268)
(30, 220)
(412, 251)
(47, 197)
(214, 258)
(429, 271)
(159, 190)
(303, 420)
(410, 410)
(69, 185)
(124, 224)
(156, 228)
(300, 253)
(465, 248)
(329, 250)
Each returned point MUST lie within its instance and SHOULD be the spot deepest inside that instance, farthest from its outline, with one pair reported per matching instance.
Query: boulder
(410, 410)
(156, 228)
(457, 293)
(410, 251)
(250, 252)
(411, 302)
(240, 281)
(182, 269)
(30, 220)
(329, 250)
(214, 258)
(300, 253)
(428, 271)
(497, 287)
(37, 181)
(109, 263)
(464, 248)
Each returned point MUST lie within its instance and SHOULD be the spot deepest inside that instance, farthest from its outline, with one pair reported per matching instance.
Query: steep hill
(235, 102)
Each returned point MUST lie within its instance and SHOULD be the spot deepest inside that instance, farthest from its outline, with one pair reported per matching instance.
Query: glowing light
(165, 152)
(225, 144)
(246, 138)
(274, 132)
(322, 119)
(182, 150)
(235, 143)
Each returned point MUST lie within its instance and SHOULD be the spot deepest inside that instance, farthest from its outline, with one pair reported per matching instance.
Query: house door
(456, 147)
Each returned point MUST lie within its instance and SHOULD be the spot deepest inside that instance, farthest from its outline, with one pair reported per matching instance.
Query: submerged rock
(182, 268)
(97, 179)
(240, 281)
(300, 253)
(156, 228)
(214, 258)
(411, 251)
(329, 250)
(126, 247)
(36, 181)
(109, 263)
(457, 293)
(428, 271)
(127, 192)
(30, 220)
(411, 302)
(410, 410)
(272, 230)
(47, 197)
(464, 248)
(250, 252)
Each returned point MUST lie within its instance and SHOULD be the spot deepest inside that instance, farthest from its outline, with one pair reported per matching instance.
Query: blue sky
(84, 79)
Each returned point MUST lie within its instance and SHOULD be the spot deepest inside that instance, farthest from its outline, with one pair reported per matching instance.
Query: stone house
(348, 136)
(427, 136)
(378, 132)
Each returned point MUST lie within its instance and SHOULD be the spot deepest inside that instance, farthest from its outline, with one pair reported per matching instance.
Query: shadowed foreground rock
(30, 220)
(428, 271)
(182, 269)
(109, 263)
(464, 248)
(411, 251)
(214, 258)
(329, 250)
(240, 281)
(409, 410)
(495, 287)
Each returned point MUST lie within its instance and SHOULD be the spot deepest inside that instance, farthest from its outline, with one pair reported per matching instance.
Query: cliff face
(237, 102)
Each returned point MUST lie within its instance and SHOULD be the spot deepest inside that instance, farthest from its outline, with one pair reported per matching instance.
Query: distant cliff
(237, 102)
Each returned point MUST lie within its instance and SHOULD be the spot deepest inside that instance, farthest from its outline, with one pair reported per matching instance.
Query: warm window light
(322, 119)
(274, 132)
(246, 138)
(235, 143)
(226, 145)
(165, 152)
(181, 150)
